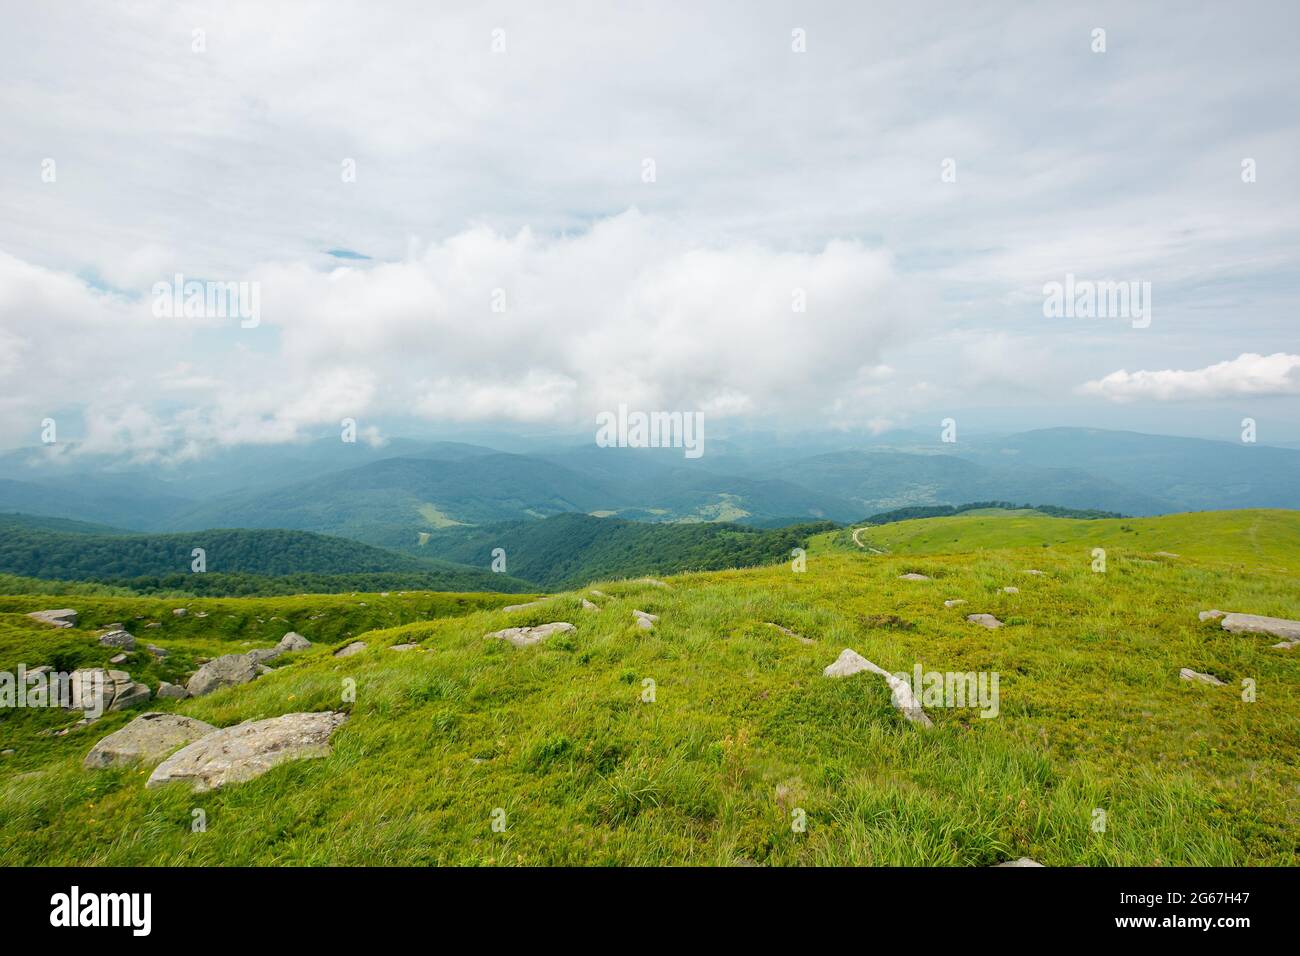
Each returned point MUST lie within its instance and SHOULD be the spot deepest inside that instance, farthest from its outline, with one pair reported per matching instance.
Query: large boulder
(174, 691)
(60, 617)
(293, 641)
(526, 636)
(1255, 624)
(97, 689)
(356, 647)
(245, 751)
(147, 739)
(118, 638)
(850, 662)
(229, 670)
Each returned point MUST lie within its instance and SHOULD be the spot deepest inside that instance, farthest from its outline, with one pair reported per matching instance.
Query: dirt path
(858, 542)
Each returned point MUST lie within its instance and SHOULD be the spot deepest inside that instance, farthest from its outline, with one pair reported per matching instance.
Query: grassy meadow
(706, 740)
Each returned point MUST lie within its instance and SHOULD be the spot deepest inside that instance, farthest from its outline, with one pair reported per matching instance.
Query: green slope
(567, 550)
(743, 734)
(1256, 536)
(237, 561)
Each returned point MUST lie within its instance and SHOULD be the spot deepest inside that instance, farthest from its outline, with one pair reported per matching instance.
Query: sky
(805, 215)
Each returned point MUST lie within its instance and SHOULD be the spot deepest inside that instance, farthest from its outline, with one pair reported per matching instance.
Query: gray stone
(118, 659)
(511, 608)
(589, 606)
(246, 751)
(527, 636)
(119, 638)
(1011, 590)
(264, 654)
(954, 602)
(789, 633)
(645, 621)
(1188, 674)
(356, 647)
(984, 620)
(1034, 571)
(913, 576)
(599, 594)
(229, 670)
(1255, 624)
(850, 662)
(404, 647)
(174, 691)
(96, 688)
(293, 641)
(1023, 861)
(157, 651)
(1210, 615)
(147, 739)
(1285, 645)
(180, 611)
(59, 617)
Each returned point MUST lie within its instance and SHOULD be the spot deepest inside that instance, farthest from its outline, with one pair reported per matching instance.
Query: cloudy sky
(523, 214)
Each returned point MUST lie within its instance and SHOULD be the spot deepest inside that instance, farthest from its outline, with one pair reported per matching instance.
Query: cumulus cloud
(1246, 375)
(480, 326)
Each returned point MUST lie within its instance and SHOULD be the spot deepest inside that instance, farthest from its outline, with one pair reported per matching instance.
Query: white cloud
(1246, 375)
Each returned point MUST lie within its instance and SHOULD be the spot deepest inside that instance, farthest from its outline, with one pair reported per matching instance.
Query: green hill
(714, 738)
(1254, 537)
(568, 550)
(237, 562)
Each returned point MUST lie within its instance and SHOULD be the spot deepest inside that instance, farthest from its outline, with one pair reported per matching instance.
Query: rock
(95, 688)
(60, 617)
(356, 647)
(984, 620)
(789, 633)
(180, 611)
(850, 662)
(245, 751)
(147, 739)
(1255, 624)
(153, 624)
(526, 636)
(1010, 590)
(201, 614)
(589, 606)
(263, 670)
(645, 621)
(1166, 554)
(955, 602)
(174, 691)
(229, 670)
(511, 608)
(404, 647)
(157, 651)
(1023, 861)
(8, 752)
(599, 594)
(293, 641)
(118, 659)
(122, 639)
(1285, 645)
(1210, 615)
(1188, 674)
(913, 576)
(1034, 571)
(264, 654)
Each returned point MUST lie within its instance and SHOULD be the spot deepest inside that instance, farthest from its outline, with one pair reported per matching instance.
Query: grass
(743, 734)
